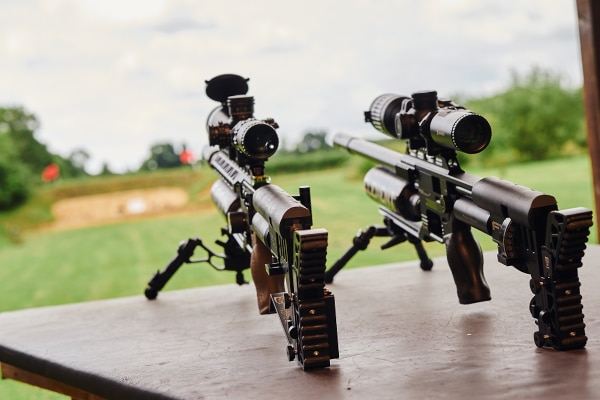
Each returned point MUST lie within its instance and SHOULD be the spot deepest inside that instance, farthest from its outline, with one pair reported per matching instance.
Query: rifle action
(424, 195)
(268, 230)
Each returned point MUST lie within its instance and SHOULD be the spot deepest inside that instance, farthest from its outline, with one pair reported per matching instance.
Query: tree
(24, 158)
(15, 177)
(16, 163)
(162, 155)
(106, 170)
(20, 126)
(74, 165)
(535, 118)
(312, 141)
(79, 158)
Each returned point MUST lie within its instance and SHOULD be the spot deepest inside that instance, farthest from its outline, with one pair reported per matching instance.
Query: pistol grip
(465, 259)
(265, 284)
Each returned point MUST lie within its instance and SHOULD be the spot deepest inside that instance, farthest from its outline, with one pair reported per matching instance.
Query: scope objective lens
(255, 138)
(460, 130)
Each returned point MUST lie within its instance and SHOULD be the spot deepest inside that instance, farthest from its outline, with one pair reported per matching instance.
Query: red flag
(186, 157)
(50, 173)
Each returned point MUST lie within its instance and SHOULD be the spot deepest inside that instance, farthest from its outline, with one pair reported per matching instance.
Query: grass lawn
(118, 259)
(50, 268)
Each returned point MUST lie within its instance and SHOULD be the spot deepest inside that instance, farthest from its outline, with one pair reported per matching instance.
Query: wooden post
(589, 36)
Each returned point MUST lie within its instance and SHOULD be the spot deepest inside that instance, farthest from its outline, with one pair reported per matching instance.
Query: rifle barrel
(399, 161)
(367, 149)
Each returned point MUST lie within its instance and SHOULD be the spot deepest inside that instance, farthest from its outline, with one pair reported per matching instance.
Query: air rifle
(426, 196)
(268, 230)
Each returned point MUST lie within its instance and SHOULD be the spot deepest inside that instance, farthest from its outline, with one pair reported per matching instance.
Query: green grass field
(50, 268)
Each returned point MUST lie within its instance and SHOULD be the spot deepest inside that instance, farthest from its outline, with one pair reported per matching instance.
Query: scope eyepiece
(255, 138)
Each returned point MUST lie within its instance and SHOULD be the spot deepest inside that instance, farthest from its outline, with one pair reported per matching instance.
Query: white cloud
(122, 10)
(116, 77)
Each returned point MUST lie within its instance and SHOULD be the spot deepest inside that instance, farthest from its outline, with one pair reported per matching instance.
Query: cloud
(122, 10)
(116, 77)
(181, 25)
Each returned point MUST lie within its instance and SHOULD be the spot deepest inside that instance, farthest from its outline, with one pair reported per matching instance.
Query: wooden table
(402, 334)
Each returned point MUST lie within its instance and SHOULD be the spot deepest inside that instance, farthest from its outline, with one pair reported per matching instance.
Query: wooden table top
(402, 334)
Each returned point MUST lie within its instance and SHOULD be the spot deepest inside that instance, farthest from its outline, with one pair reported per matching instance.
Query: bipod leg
(360, 242)
(399, 235)
(426, 263)
(160, 279)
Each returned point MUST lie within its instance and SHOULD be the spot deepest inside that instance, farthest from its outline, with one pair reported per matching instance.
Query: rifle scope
(423, 117)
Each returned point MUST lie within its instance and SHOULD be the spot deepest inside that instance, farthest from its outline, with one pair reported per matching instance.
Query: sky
(114, 77)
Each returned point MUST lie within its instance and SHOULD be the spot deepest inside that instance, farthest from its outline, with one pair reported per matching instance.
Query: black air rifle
(424, 195)
(268, 230)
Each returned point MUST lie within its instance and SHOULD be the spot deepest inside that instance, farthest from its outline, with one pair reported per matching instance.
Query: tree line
(23, 158)
(537, 116)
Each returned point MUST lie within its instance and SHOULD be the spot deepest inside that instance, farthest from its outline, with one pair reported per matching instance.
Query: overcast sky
(115, 77)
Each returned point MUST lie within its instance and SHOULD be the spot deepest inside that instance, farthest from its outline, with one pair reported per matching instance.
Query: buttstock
(265, 284)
